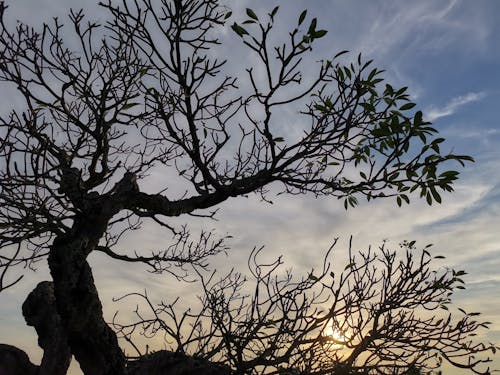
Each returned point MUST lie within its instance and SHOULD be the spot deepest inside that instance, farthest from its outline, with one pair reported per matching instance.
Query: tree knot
(127, 184)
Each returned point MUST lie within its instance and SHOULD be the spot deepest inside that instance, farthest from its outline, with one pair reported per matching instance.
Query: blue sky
(448, 53)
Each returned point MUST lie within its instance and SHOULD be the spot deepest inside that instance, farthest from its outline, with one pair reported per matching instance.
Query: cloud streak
(453, 105)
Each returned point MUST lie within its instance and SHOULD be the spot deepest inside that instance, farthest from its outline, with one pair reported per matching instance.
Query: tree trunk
(39, 310)
(14, 361)
(92, 341)
(171, 363)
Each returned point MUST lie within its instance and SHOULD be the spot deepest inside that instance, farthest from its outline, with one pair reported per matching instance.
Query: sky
(448, 53)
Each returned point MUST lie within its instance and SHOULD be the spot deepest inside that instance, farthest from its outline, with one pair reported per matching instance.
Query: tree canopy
(146, 92)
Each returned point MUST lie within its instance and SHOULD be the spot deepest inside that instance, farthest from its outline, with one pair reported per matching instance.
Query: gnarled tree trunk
(92, 341)
(39, 310)
(14, 361)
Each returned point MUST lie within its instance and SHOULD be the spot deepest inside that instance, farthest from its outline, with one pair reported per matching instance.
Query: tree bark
(14, 361)
(39, 310)
(92, 341)
(171, 363)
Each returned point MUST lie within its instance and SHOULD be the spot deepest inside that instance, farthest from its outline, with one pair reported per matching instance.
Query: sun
(334, 335)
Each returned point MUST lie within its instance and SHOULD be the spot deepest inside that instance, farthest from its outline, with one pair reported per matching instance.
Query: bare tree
(385, 313)
(144, 93)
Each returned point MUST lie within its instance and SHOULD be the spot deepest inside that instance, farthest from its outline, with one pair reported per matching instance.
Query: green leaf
(393, 176)
(239, 30)
(428, 198)
(389, 89)
(228, 14)
(152, 91)
(368, 107)
(312, 26)
(302, 16)
(320, 107)
(400, 92)
(350, 265)
(372, 74)
(417, 119)
(466, 158)
(274, 11)
(438, 140)
(129, 105)
(407, 106)
(341, 74)
(319, 34)
(278, 139)
(353, 201)
(366, 64)
(312, 277)
(449, 175)
(340, 54)
(461, 158)
(435, 195)
(347, 72)
(251, 14)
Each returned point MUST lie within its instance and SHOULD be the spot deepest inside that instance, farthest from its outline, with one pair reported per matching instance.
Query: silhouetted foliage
(143, 93)
(384, 313)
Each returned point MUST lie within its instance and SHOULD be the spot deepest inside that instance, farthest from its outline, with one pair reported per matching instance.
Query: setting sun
(334, 335)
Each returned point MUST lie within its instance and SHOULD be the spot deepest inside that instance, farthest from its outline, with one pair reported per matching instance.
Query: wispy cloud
(430, 26)
(396, 24)
(453, 105)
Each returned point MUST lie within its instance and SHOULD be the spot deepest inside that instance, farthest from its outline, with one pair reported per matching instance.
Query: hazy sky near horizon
(448, 53)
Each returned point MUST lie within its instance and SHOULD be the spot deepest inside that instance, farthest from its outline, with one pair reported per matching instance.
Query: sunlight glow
(335, 336)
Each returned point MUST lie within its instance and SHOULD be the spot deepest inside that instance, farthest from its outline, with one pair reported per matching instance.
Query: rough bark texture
(39, 311)
(164, 362)
(92, 341)
(14, 361)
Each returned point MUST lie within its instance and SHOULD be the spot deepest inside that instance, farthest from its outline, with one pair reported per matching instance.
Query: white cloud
(453, 105)
(302, 228)
(427, 25)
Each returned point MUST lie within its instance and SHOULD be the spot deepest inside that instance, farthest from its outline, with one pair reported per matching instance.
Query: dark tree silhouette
(386, 312)
(143, 93)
